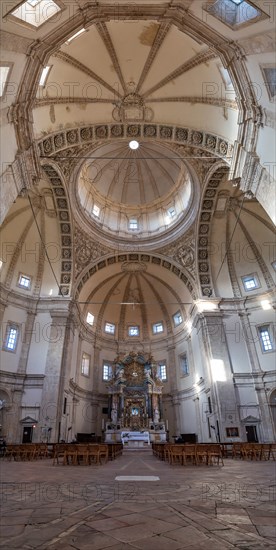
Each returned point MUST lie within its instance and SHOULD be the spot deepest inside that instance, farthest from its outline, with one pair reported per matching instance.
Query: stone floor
(86, 508)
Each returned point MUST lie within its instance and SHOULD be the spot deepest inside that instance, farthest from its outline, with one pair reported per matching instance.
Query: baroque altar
(135, 412)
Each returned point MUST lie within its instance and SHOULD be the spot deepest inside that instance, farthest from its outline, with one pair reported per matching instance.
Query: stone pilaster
(198, 419)
(57, 362)
(218, 369)
(14, 429)
(26, 342)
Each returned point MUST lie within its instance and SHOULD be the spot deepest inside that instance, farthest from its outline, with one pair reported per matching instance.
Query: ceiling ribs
(105, 36)
(198, 59)
(121, 324)
(167, 174)
(141, 182)
(161, 304)
(78, 65)
(216, 101)
(159, 38)
(266, 274)
(117, 172)
(162, 156)
(171, 290)
(152, 182)
(64, 100)
(143, 309)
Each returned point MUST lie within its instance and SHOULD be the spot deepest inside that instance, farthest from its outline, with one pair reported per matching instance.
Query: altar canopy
(135, 394)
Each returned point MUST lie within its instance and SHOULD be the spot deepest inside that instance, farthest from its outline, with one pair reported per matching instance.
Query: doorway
(251, 434)
(27, 434)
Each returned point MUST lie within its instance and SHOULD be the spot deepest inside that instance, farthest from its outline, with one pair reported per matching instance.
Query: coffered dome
(136, 193)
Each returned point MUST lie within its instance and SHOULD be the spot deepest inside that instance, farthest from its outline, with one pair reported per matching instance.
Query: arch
(159, 260)
(63, 209)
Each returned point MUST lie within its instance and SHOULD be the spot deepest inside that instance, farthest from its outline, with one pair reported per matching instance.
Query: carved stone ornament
(183, 252)
(86, 251)
(131, 109)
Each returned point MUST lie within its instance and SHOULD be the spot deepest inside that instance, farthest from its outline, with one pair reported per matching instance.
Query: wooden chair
(202, 453)
(70, 454)
(189, 452)
(41, 450)
(167, 447)
(93, 454)
(214, 454)
(236, 450)
(176, 454)
(265, 454)
(103, 450)
(82, 453)
(59, 450)
(272, 451)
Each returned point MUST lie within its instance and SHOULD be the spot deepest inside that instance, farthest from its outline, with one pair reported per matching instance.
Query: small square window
(184, 365)
(96, 210)
(265, 338)
(133, 330)
(171, 212)
(107, 371)
(133, 223)
(162, 371)
(109, 328)
(177, 319)
(250, 282)
(157, 328)
(11, 338)
(90, 318)
(24, 281)
(85, 364)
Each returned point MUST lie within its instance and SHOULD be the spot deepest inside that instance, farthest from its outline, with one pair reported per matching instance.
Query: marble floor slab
(137, 502)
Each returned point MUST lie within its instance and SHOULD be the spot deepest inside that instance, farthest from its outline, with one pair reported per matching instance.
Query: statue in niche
(156, 416)
(114, 416)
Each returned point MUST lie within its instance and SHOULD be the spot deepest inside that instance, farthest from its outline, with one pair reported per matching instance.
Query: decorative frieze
(65, 227)
(75, 137)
